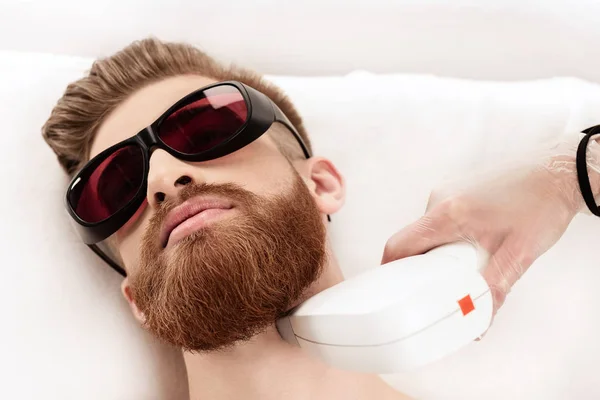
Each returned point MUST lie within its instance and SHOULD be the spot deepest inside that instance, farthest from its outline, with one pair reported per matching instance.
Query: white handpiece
(399, 316)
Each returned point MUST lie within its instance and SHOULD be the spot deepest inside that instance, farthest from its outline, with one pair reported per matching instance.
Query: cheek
(258, 167)
(130, 234)
(266, 180)
(135, 220)
(129, 243)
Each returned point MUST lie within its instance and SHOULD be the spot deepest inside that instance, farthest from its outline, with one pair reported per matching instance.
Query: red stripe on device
(466, 304)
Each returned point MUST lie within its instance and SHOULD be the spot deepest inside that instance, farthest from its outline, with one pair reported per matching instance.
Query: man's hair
(72, 125)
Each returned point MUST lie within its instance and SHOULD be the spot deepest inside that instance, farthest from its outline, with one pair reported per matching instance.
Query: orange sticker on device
(466, 304)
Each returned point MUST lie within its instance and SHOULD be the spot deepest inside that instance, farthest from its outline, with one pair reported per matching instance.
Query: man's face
(206, 281)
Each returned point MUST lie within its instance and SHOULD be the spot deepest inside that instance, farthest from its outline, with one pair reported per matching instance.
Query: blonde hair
(72, 125)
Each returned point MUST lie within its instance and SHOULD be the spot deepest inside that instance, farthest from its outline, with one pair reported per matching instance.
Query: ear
(325, 183)
(126, 290)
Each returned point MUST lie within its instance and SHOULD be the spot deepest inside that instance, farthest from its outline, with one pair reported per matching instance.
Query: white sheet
(66, 333)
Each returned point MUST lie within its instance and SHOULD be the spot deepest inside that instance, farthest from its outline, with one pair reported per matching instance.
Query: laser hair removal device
(398, 316)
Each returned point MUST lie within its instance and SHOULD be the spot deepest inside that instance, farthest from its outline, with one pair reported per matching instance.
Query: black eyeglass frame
(262, 112)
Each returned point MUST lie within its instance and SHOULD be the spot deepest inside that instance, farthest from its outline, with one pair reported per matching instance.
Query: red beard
(229, 281)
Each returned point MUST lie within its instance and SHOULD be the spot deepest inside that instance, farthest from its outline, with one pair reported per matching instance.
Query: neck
(267, 367)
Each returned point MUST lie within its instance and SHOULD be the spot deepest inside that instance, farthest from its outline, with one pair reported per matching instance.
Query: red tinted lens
(210, 119)
(110, 186)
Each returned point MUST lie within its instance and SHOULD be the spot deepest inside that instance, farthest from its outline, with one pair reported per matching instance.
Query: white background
(486, 39)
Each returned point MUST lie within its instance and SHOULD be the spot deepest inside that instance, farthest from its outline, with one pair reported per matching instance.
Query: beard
(232, 279)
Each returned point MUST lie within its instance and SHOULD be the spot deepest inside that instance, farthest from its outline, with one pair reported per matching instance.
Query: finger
(505, 268)
(419, 237)
(439, 195)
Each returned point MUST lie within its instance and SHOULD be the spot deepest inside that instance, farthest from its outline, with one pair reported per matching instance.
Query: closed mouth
(190, 216)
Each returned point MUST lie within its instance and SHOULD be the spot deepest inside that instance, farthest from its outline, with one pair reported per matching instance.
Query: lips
(191, 215)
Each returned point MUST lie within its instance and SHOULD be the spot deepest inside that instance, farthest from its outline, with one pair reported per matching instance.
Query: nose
(167, 176)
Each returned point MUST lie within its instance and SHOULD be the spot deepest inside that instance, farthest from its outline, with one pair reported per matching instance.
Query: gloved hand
(516, 212)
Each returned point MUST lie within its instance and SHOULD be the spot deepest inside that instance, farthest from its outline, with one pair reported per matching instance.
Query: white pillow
(67, 334)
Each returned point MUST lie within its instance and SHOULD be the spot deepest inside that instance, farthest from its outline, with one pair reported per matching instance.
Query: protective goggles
(209, 123)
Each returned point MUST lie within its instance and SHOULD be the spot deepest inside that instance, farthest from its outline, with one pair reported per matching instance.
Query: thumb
(419, 237)
(504, 269)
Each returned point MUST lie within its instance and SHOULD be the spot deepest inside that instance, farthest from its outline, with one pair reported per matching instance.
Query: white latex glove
(515, 212)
